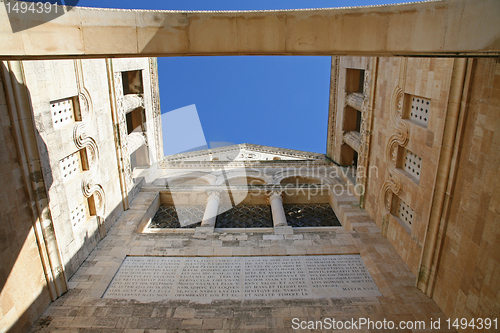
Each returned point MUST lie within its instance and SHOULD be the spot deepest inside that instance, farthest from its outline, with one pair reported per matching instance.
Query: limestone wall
(49, 82)
(468, 276)
(24, 294)
(423, 77)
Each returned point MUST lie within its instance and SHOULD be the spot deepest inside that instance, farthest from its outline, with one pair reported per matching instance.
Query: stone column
(276, 202)
(212, 208)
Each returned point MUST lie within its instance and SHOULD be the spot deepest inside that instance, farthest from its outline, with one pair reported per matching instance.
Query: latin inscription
(280, 277)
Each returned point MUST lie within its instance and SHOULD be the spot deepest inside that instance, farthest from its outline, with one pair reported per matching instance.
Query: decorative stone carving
(214, 194)
(365, 129)
(155, 101)
(122, 131)
(400, 137)
(83, 141)
(273, 194)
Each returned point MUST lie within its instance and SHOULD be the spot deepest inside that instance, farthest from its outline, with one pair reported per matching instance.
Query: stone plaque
(279, 277)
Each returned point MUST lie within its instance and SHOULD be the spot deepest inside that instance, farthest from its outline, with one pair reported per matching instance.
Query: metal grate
(70, 165)
(167, 216)
(310, 215)
(78, 214)
(405, 213)
(419, 112)
(245, 216)
(63, 112)
(412, 164)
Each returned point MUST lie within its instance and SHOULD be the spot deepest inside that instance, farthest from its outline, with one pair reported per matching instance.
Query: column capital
(214, 194)
(273, 194)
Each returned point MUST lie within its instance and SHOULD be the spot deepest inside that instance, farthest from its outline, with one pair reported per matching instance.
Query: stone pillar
(212, 208)
(276, 202)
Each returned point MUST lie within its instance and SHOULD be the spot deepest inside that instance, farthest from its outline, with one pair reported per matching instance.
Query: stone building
(410, 171)
(74, 130)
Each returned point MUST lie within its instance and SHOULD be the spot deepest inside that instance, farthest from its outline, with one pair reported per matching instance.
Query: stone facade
(430, 171)
(71, 167)
(419, 137)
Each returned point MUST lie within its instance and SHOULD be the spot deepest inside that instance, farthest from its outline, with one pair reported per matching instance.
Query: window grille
(245, 216)
(70, 165)
(78, 214)
(404, 212)
(412, 163)
(310, 215)
(167, 216)
(419, 110)
(63, 112)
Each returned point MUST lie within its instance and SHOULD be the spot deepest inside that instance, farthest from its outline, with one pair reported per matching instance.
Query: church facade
(409, 182)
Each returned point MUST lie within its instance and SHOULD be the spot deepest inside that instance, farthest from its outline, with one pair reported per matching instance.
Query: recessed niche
(417, 110)
(65, 111)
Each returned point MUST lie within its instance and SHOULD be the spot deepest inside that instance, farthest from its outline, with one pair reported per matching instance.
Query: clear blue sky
(266, 100)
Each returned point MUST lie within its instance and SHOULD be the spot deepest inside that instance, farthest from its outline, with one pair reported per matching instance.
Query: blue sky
(266, 100)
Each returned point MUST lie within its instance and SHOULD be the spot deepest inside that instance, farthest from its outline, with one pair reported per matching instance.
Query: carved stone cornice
(249, 147)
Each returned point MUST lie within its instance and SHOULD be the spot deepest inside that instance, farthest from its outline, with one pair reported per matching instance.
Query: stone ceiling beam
(435, 28)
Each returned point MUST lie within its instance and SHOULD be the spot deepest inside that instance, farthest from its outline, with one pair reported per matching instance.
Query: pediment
(245, 152)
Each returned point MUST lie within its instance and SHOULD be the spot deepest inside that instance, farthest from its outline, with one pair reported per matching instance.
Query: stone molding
(332, 113)
(400, 137)
(246, 146)
(82, 140)
(366, 125)
(122, 131)
(155, 101)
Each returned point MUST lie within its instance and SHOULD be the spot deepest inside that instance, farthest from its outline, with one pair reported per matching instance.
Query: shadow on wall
(31, 274)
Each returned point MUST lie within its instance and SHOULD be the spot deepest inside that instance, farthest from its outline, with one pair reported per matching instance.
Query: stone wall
(87, 82)
(468, 276)
(24, 294)
(424, 77)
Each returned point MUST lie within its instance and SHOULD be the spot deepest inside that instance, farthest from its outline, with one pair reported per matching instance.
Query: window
(417, 110)
(310, 215)
(73, 164)
(245, 216)
(403, 212)
(411, 163)
(64, 111)
(169, 216)
(79, 214)
(132, 82)
(354, 80)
